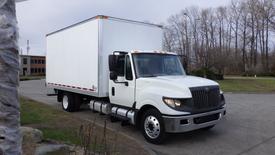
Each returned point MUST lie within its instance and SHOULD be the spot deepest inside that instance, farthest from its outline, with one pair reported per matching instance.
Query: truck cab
(154, 85)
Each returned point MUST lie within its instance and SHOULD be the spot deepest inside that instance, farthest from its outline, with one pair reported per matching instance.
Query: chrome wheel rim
(152, 127)
(65, 102)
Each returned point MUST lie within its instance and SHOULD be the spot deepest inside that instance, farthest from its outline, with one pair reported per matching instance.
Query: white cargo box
(77, 56)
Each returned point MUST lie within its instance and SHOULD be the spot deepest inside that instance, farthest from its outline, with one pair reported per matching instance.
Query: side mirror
(112, 63)
(113, 75)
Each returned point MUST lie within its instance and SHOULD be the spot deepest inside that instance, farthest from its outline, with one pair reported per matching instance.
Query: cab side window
(128, 69)
(120, 65)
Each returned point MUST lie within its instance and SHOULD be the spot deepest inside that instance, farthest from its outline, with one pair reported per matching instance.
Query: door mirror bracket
(113, 76)
(125, 83)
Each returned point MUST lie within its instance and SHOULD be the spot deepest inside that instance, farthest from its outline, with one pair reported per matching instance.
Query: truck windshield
(151, 65)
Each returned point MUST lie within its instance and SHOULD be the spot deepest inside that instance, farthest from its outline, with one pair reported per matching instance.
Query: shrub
(207, 73)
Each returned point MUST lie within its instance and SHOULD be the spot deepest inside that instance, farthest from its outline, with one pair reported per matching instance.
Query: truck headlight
(174, 103)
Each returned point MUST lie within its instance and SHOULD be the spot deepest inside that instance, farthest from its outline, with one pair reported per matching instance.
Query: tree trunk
(236, 39)
(263, 42)
(252, 44)
(10, 140)
(244, 44)
(266, 46)
(256, 49)
(187, 56)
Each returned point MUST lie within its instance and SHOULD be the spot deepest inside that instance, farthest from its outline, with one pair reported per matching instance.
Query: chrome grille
(205, 97)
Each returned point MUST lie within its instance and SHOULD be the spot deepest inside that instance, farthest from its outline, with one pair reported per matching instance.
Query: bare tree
(168, 39)
(195, 19)
(233, 38)
(268, 12)
(10, 141)
(236, 12)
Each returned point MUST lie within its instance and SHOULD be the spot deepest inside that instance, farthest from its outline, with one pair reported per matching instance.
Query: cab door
(122, 91)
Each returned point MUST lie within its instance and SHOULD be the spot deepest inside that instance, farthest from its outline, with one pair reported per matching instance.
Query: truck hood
(186, 81)
(173, 86)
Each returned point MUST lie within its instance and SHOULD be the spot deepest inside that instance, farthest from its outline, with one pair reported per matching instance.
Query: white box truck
(118, 67)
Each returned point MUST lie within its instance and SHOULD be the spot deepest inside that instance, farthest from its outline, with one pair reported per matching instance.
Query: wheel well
(140, 113)
(59, 95)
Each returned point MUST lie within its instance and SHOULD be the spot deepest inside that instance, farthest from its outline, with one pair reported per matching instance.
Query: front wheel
(153, 126)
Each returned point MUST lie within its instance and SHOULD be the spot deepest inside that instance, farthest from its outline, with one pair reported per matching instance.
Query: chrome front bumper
(177, 124)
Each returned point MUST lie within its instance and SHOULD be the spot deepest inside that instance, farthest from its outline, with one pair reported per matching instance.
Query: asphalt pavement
(249, 127)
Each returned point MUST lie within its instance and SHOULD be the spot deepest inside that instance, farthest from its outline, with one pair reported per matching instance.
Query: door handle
(113, 91)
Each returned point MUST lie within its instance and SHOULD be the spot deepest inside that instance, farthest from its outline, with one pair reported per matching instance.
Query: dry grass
(28, 148)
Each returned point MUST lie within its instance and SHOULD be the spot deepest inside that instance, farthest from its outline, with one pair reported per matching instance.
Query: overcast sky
(36, 18)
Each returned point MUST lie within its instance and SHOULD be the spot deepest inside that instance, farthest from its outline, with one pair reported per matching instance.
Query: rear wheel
(153, 126)
(59, 95)
(70, 102)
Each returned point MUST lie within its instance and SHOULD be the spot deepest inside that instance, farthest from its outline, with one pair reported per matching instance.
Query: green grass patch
(31, 113)
(65, 135)
(26, 78)
(250, 84)
(54, 124)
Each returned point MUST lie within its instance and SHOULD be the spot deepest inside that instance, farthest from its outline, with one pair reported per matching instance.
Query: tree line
(235, 39)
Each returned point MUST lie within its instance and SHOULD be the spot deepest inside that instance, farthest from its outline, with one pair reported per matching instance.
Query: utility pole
(28, 47)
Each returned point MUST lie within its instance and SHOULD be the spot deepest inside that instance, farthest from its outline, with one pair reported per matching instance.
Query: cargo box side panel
(119, 35)
(72, 58)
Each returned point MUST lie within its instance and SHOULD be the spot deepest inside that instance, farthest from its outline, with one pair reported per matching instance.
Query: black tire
(208, 128)
(155, 118)
(78, 100)
(59, 95)
(70, 102)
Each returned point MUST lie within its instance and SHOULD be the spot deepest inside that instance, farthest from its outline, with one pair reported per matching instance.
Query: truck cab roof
(152, 51)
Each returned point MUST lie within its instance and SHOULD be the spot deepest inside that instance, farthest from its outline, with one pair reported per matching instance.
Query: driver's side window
(129, 74)
(120, 65)
(124, 67)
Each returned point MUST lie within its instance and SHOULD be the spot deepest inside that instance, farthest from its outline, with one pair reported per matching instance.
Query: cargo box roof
(104, 17)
